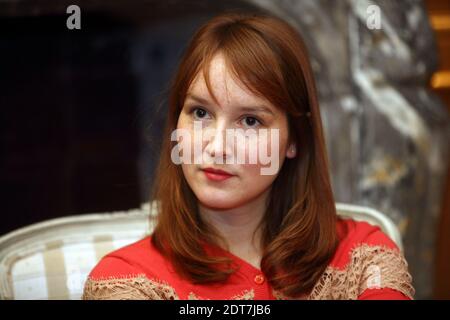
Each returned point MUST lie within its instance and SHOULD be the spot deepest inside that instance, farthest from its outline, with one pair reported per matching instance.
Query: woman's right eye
(199, 113)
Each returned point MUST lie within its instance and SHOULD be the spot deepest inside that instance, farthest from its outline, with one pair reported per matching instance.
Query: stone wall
(387, 135)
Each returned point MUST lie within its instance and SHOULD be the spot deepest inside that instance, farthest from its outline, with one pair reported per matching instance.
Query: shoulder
(367, 264)
(141, 257)
(359, 236)
(132, 272)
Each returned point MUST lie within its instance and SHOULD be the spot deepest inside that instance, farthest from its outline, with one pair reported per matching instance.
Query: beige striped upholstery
(51, 259)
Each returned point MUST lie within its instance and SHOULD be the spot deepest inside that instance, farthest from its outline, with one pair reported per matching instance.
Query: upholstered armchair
(51, 259)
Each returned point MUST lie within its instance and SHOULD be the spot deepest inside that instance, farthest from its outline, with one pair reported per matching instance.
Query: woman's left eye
(251, 122)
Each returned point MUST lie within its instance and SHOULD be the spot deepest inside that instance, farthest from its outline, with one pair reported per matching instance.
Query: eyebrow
(259, 108)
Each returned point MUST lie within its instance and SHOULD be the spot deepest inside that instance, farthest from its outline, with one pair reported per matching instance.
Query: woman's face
(237, 109)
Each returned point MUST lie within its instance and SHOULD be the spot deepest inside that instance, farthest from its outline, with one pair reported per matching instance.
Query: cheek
(182, 121)
(266, 150)
(253, 182)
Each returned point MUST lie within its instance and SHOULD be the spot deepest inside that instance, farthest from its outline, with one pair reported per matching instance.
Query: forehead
(225, 88)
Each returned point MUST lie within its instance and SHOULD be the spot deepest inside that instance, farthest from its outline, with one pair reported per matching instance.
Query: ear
(291, 151)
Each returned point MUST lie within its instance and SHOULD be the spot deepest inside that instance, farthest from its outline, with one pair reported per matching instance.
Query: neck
(237, 225)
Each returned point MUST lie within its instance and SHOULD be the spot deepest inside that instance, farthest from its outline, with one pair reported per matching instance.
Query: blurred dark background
(68, 133)
(439, 13)
(82, 111)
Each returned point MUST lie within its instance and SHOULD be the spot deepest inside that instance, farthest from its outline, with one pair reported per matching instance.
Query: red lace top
(366, 265)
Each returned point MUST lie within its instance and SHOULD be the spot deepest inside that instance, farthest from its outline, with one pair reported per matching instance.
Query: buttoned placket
(256, 278)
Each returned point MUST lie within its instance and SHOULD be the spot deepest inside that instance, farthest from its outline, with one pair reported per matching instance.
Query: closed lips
(216, 171)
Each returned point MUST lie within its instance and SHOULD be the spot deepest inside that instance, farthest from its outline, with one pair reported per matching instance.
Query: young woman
(227, 230)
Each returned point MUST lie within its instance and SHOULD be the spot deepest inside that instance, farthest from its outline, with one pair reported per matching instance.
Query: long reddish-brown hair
(299, 227)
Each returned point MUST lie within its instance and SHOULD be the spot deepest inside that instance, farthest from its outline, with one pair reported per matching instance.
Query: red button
(259, 279)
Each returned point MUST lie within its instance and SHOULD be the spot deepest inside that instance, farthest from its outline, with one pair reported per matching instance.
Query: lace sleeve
(130, 288)
(114, 278)
(137, 287)
(370, 267)
(382, 267)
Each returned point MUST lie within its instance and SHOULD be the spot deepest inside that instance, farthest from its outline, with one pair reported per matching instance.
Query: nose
(217, 146)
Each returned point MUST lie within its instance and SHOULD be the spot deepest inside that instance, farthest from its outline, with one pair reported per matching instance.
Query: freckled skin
(248, 185)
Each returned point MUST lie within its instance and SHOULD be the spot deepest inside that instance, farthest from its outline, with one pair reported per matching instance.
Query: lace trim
(132, 287)
(139, 287)
(369, 267)
(245, 295)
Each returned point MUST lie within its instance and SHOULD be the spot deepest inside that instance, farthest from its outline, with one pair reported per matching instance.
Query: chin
(218, 202)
